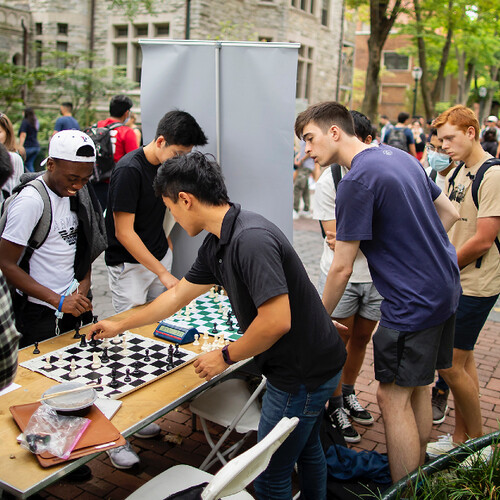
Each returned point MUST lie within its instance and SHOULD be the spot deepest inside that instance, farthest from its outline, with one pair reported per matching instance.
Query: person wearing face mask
(439, 164)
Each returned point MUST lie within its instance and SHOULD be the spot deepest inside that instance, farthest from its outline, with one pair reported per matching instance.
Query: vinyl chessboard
(205, 311)
(146, 371)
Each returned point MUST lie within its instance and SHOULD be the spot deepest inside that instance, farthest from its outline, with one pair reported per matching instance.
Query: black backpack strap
(475, 190)
(433, 175)
(451, 180)
(336, 174)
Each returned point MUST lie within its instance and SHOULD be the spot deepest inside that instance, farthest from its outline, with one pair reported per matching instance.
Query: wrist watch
(225, 356)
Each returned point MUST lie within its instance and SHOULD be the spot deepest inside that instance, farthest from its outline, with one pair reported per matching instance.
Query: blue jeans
(31, 154)
(303, 446)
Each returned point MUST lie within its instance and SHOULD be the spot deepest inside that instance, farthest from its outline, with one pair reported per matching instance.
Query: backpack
(104, 148)
(476, 182)
(42, 228)
(397, 139)
(337, 176)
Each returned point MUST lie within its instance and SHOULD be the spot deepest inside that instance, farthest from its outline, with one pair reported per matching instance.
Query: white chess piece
(125, 352)
(205, 347)
(212, 292)
(47, 365)
(105, 343)
(196, 337)
(188, 313)
(116, 340)
(96, 361)
(224, 313)
(60, 362)
(72, 373)
(221, 307)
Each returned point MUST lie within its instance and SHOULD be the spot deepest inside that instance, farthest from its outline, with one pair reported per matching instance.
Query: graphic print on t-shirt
(67, 229)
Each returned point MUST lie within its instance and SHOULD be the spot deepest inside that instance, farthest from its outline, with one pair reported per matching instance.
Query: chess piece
(147, 359)
(105, 357)
(47, 365)
(230, 326)
(125, 352)
(94, 319)
(105, 343)
(229, 320)
(99, 382)
(214, 329)
(116, 340)
(114, 383)
(60, 362)
(177, 353)
(72, 373)
(212, 292)
(96, 361)
(196, 337)
(224, 313)
(77, 330)
(221, 307)
(36, 350)
(136, 371)
(205, 347)
(83, 342)
(127, 376)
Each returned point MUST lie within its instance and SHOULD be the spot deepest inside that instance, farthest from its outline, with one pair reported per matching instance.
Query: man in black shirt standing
(286, 327)
(138, 256)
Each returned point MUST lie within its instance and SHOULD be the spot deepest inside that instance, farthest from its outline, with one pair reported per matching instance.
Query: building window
(38, 28)
(120, 55)
(325, 12)
(305, 5)
(395, 61)
(141, 30)
(38, 53)
(162, 29)
(304, 72)
(138, 63)
(121, 31)
(62, 28)
(60, 58)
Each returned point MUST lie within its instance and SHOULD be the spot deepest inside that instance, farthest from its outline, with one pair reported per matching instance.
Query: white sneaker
(295, 215)
(150, 431)
(483, 455)
(444, 444)
(307, 214)
(123, 457)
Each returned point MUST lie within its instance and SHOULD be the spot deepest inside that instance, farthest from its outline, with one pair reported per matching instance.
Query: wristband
(61, 303)
(225, 356)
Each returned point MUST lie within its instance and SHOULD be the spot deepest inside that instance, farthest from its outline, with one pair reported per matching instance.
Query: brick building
(325, 57)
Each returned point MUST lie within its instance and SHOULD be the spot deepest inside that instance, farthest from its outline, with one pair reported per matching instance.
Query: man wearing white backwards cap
(65, 254)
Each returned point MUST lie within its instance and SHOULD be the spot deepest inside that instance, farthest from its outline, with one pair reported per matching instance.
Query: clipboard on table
(100, 435)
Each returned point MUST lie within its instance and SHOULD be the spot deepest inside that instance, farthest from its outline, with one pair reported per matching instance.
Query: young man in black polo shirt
(286, 326)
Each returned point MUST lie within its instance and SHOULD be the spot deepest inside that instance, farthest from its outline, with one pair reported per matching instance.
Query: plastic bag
(56, 434)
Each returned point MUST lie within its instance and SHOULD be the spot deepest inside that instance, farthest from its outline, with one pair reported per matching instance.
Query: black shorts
(409, 359)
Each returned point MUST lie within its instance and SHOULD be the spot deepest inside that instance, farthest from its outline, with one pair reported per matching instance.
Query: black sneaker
(356, 411)
(341, 421)
(439, 405)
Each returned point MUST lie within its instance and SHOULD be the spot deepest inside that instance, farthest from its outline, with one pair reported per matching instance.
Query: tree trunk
(491, 92)
(460, 56)
(422, 59)
(381, 22)
(438, 84)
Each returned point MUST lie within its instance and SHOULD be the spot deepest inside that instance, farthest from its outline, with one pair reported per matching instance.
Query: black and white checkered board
(136, 345)
(207, 312)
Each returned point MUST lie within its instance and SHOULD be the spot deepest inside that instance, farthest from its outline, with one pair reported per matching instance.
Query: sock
(347, 389)
(335, 402)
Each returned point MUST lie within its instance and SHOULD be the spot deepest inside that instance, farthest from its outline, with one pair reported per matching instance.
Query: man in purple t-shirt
(388, 208)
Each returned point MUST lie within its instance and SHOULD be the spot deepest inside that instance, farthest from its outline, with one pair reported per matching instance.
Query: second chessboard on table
(210, 310)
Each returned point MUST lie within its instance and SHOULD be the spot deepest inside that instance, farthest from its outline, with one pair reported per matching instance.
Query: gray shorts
(358, 298)
(410, 359)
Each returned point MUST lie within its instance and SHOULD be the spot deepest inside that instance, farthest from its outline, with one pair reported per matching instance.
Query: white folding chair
(231, 405)
(230, 481)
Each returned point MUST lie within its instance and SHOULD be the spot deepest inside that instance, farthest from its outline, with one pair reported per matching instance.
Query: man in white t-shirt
(65, 254)
(359, 308)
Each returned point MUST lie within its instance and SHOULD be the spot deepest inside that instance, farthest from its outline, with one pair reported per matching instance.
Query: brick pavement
(161, 453)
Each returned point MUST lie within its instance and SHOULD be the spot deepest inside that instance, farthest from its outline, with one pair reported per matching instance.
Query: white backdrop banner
(243, 96)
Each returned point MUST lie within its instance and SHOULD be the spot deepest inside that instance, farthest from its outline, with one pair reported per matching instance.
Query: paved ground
(161, 453)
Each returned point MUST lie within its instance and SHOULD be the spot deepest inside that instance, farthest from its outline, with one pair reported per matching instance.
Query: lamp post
(416, 72)
(483, 91)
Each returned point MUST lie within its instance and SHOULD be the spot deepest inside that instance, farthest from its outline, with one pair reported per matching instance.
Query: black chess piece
(36, 350)
(170, 350)
(240, 331)
(214, 329)
(83, 342)
(77, 330)
(177, 353)
(229, 320)
(127, 376)
(94, 319)
(230, 326)
(147, 359)
(99, 382)
(105, 357)
(136, 371)
(93, 341)
(114, 375)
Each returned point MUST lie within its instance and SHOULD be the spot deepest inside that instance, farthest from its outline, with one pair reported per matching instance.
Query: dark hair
(180, 128)
(119, 105)
(403, 116)
(6, 168)
(434, 131)
(362, 125)
(324, 115)
(490, 135)
(195, 173)
(29, 115)
(10, 139)
(67, 105)
(385, 117)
